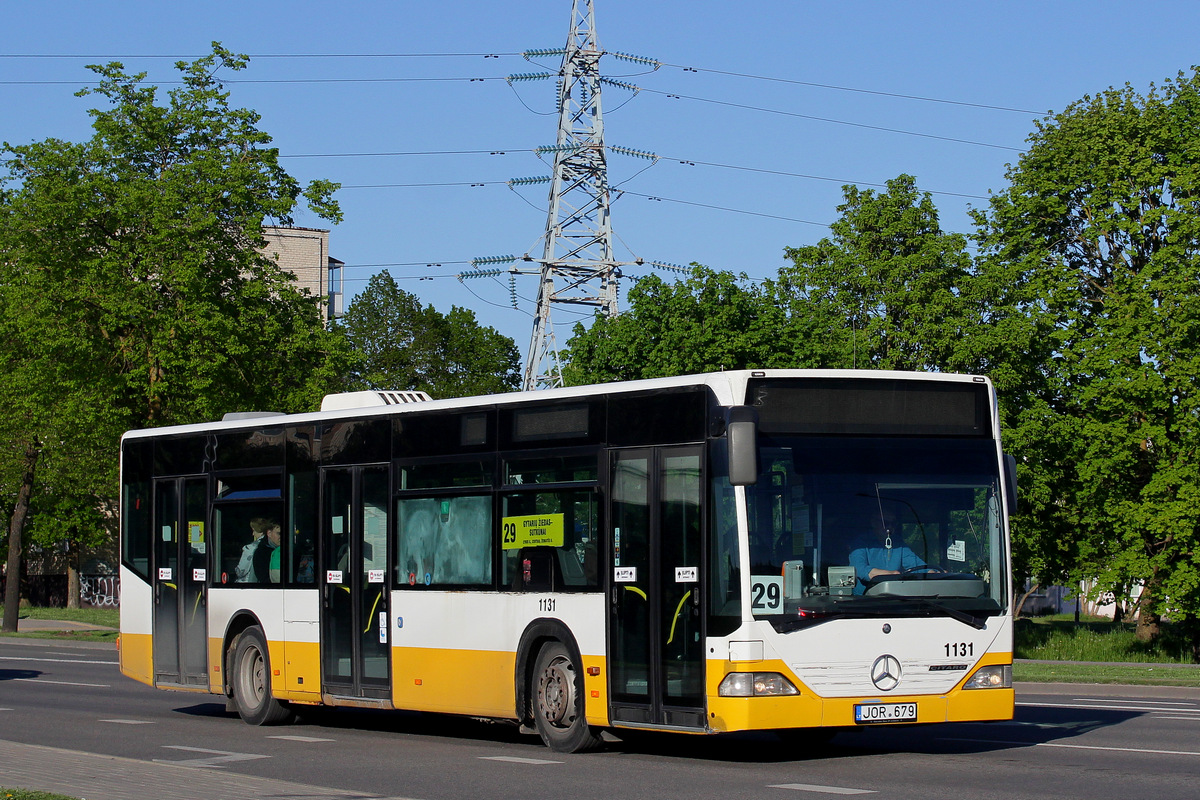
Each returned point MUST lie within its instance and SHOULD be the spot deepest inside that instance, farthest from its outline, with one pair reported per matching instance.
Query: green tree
(884, 291)
(401, 344)
(131, 284)
(1092, 255)
(710, 320)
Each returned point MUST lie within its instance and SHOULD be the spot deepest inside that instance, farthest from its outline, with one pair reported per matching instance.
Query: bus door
(354, 615)
(180, 573)
(656, 641)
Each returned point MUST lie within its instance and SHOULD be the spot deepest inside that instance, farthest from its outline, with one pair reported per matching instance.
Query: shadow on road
(17, 674)
(1032, 726)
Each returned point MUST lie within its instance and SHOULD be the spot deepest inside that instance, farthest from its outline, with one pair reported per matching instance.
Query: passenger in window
(266, 556)
(882, 553)
(243, 573)
(306, 563)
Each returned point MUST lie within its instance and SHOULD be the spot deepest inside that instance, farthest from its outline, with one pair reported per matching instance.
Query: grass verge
(29, 794)
(107, 617)
(1057, 639)
(1124, 674)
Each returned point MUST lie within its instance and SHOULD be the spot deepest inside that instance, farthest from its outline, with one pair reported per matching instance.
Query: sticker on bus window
(538, 530)
(957, 551)
(625, 574)
(200, 575)
(383, 627)
(374, 576)
(164, 573)
(333, 576)
(686, 574)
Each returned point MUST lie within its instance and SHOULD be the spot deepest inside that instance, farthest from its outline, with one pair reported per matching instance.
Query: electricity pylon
(577, 265)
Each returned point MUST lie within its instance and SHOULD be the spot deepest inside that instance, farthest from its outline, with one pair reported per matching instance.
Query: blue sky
(356, 91)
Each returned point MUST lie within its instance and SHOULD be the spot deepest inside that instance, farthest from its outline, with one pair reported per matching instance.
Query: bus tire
(557, 699)
(251, 681)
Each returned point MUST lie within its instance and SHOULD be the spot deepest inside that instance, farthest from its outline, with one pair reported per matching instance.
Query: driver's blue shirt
(868, 557)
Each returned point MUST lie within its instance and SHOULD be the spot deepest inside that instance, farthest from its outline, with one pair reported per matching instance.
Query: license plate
(868, 713)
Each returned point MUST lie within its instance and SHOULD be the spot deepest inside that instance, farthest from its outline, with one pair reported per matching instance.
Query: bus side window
(444, 541)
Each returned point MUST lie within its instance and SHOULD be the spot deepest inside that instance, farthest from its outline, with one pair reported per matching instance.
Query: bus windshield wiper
(978, 623)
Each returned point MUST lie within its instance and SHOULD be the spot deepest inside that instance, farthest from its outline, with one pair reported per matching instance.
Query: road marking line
(1093, 707)
(1083, 747)
(218, 758)
(64, 683)
(516, 760)
(1188, 719)
(56, 660)
(809, 787)
(128, 721)
(302, 738)
(1111, 700)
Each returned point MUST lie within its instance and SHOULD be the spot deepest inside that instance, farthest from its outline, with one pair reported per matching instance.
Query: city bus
(688, 554)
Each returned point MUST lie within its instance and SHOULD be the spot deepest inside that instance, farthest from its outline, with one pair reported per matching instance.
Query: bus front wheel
(251, 681)
(558, 702)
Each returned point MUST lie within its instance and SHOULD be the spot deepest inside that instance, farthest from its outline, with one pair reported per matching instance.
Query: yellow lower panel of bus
(758, 713)
(476, 682)
(809, 710)
(137, 657)
(299, 671)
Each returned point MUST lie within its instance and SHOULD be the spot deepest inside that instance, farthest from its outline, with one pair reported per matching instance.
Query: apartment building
(304, 252)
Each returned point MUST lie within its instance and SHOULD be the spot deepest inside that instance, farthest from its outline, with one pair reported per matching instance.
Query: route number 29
(766, 594)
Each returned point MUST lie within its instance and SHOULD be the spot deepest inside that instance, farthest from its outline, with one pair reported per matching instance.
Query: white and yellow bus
(785, 550)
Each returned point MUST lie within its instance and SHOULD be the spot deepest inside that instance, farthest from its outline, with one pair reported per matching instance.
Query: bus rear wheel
(251, 681)
(558, 702)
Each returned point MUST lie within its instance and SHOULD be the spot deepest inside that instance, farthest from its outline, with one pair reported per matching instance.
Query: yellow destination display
(539, 530)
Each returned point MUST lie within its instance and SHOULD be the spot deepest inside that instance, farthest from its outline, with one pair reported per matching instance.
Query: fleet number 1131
(960, 649)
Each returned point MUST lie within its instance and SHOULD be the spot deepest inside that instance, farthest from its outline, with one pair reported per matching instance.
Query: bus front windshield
(863, 526)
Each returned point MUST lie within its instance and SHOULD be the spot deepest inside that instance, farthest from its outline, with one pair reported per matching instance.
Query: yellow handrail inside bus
(678, 608)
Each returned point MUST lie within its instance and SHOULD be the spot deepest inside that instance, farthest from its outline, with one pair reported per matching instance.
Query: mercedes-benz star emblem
(885, 673)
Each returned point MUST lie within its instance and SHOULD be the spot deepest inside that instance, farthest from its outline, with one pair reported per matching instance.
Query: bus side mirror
(741, 428)
(1010, 482)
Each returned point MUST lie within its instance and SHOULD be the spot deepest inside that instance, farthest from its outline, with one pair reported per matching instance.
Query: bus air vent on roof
(345, 400)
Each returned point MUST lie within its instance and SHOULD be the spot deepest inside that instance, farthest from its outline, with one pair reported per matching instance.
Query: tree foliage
(132, 290)
(403, 345)
(885, 291)
(711, 320)
(1096, 246)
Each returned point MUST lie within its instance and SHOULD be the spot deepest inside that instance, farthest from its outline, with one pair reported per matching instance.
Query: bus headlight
(756, 684)
(994, 677)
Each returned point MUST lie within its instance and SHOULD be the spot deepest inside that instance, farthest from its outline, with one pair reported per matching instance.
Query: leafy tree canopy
(1094, 248)
(131, 286)
(403, 345)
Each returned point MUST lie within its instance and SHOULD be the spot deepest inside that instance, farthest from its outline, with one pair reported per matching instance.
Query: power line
(921, 98)
(681, 160)
(659, 198)
(261, 55)
(685, 68)
(796, 114)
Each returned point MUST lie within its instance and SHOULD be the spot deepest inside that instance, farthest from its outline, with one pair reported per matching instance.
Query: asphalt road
(70, 722)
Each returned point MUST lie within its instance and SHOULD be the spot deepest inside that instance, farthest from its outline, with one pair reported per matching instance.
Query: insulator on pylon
(651, 62)
(508, 259)
(621, 84)
(479, 273)
(665, 265)
(528, 76)
(629, 151)
(529, 181)
(543, 53)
